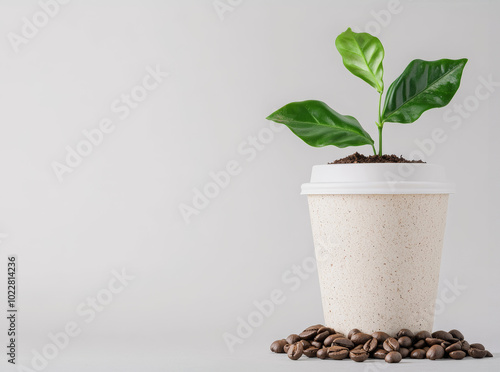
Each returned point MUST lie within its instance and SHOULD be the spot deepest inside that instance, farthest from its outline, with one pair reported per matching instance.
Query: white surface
(263, 361)
(120, 206)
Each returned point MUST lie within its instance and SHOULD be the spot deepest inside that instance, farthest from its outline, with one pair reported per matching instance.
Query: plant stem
(374, 150)
(380, 126)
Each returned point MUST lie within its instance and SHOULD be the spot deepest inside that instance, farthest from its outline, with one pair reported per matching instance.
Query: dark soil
(359, 158)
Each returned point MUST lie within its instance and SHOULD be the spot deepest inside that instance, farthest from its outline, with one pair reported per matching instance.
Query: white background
(120, 207)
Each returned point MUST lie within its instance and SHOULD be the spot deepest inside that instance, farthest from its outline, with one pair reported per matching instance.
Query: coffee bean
(278, 345)
(358, 347)
(339, 335)
(404, 352)
(457, 354)
(305, 344)
(320, 337)
(380, 354)
(358, 355)
(393, 357)
(317, 344)
(465, 346)
(417, 354)
(311, 352)
(380, 336)
(330, 331)
(337, 352)
(314, 327)
(433, 341)
(352, 332)
(477, 353)
(308, 335)
(293, 338)
(426, 348)
(295, 351)
(454, 347)
(445, 344)
(488, 354)
(391, 344)
(422, 335)
(443, 335)
(404, 341)
(360, 338)
(336, 348)
(322, 353)
(457, 334)
(420, 344)
(435, 352)
(370, 345)
(478, 346)
(328, 341)
(286, 347)
(344, 342)
(405, 332)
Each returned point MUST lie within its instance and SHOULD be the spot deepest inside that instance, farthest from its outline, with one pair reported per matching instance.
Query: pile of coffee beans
(322, 342)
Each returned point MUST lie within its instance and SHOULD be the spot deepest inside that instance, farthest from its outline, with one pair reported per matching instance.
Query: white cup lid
(378, 178)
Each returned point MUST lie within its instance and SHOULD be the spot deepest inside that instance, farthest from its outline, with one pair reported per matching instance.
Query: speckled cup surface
(378, 259)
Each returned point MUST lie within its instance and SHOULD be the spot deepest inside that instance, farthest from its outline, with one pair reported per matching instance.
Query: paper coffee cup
(378, 234)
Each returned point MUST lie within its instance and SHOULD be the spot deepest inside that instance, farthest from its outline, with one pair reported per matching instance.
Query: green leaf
(318, 125)
(422, 85)
(362, 54)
